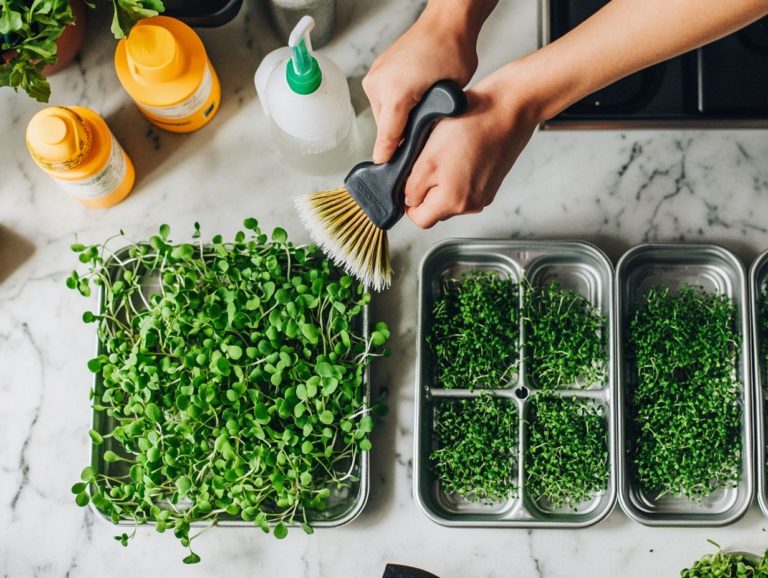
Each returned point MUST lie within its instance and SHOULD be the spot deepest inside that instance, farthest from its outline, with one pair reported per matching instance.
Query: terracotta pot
(70, 41)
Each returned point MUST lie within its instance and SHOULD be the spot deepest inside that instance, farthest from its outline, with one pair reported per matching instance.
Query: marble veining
(611, 188)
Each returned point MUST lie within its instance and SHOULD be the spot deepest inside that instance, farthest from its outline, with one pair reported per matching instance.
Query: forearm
(623, 37)
(463, 17)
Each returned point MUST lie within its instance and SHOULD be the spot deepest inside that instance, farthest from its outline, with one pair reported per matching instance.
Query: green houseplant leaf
(29, 31)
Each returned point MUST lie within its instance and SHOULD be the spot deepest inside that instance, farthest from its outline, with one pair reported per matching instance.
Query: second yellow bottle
(164, 68)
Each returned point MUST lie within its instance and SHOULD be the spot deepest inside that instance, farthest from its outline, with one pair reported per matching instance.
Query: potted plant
(30, 29)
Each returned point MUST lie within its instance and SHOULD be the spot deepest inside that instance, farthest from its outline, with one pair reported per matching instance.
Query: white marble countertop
(614, 189)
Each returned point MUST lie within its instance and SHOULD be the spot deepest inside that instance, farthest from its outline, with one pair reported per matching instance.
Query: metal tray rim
(365, 473)
(757, 389)
(612, 486)
(691, 520)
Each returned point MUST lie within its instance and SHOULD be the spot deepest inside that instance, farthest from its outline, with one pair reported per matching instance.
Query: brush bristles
(346, 234)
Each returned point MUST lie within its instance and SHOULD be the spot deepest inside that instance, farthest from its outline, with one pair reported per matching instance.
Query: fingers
(440, 204)
(390, 124)
(421, 180)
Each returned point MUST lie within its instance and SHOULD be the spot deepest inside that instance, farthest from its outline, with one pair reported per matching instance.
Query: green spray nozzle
(303, 73)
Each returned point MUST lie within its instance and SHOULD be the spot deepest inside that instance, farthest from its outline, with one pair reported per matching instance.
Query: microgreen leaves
(230, 382)
(476, 447)
(565, 338)
(474, 333)
(728, 565)
(567, 455)
(683, 401)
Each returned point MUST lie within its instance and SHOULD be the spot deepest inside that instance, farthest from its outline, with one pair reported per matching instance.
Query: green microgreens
(230, 382)
(762, 308)
(726, 565)
(565, 338)
(567, 455)
(683, 406)
(475, 330)
(476, 448)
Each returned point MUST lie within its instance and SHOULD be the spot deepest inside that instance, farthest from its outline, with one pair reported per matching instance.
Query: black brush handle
(379, 189)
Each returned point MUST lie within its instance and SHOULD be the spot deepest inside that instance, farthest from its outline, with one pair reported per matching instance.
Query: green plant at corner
(28, 34)
(29, 30)
(728, 565)
(230, 383)
(129, 12)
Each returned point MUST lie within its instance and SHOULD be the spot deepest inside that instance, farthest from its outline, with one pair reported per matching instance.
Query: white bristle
(355, 244)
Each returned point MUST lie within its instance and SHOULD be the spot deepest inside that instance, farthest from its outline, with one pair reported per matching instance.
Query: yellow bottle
(75, 146)
(164, 68)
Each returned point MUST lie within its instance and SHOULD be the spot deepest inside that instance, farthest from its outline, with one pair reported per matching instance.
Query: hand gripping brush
(350, 224)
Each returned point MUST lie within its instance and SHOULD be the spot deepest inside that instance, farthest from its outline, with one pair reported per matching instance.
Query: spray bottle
(306, 96)
(76, 148)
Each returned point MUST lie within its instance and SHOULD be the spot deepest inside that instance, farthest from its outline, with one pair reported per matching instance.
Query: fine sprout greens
(230, 383)
(567, 455)
(565, 338)
(684, 410)
(728, 565)
(475, 331)
(476, 448)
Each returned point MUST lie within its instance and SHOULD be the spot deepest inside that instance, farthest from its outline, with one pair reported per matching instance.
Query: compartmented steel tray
(758, 276)
(715, 270)
(577, 266)
(343, 505)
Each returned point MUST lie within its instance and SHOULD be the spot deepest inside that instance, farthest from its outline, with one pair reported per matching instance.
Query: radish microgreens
(474, 334)
(231, 378)
(683, 406)
(565, 338)
(476, 447)
(567, 454)
(728, 565)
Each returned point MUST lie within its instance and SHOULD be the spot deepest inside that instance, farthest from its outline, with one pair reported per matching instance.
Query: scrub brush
(350, 223)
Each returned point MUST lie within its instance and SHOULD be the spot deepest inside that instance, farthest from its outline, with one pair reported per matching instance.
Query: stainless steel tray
(758, 276)
(577, 266)
(343, 505)
(715, 270)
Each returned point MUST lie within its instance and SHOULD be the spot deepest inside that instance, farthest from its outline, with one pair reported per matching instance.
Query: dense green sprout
(565, 339)
(475, 331)
(476, 448)
(567, 455)
(230, 382)
(683, 403)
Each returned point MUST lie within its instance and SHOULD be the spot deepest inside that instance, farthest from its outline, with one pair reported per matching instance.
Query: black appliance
(723, 84)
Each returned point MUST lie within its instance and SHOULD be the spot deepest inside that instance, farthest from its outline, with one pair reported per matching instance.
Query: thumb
(390, 126)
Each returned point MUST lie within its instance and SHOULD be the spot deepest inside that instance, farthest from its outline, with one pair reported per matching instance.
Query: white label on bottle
(105, 181)
(188, 106)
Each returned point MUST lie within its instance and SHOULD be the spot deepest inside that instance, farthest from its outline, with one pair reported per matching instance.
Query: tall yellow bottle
(164, 68)
(75, 146)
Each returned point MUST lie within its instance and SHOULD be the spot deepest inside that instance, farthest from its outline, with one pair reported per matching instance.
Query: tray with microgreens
(230, 385)
(514, 403)
(758, 281)
(684, 385)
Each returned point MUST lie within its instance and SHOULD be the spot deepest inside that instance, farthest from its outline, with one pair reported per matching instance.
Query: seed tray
(715, 270)
(576, 266)
(758, 276)
(343, 505)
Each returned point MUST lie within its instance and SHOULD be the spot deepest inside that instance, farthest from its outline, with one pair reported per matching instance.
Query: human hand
(441, 44)
(466, 158)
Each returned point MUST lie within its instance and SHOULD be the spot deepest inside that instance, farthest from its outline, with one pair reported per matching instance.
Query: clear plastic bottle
(307, 99)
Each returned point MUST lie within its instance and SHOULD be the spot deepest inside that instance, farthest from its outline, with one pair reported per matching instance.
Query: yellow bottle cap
(58, 138)
(153, 54)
